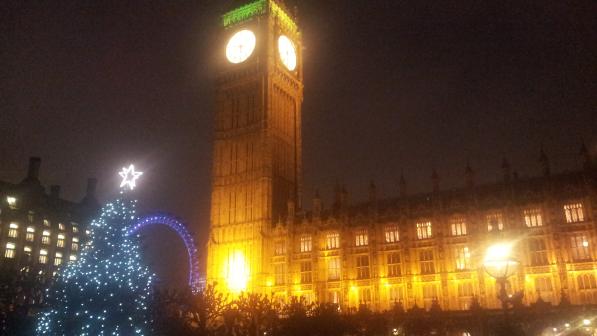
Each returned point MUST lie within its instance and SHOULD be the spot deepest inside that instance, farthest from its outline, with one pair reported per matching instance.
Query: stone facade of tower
(257, 153)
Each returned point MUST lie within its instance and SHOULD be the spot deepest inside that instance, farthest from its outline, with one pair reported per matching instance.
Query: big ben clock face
(287, 52)
(240, 46)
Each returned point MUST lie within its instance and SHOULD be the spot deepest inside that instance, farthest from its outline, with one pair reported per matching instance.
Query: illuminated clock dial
(287, 52)
(240, 46)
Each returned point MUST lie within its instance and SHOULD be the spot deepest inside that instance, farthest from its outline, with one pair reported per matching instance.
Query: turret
(585, 156)
(317, 205)
(435, 180)
(402, 186)
(89, 203)
(90, 198)
(506, 170)
(33, 171)
(291, 209)
(544, 161)
(337, 196)
(343, 198)
(55, 192)
(469, 176)
(372, 193)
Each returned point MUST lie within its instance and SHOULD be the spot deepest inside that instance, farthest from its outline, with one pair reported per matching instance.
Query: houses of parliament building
(414, 249)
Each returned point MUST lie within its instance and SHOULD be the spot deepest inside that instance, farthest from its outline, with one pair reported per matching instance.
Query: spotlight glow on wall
(237, 272)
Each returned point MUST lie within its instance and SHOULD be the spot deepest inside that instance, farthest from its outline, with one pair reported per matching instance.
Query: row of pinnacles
(341, 196)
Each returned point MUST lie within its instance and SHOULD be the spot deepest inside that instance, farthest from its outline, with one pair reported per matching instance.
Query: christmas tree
(107, 291)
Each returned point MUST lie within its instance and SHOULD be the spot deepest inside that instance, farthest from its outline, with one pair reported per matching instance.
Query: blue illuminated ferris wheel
(180, 228)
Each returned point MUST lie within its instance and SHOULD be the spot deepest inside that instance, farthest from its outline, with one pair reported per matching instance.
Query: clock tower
(257, 148)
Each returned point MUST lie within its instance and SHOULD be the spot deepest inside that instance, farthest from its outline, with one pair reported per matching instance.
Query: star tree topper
(129, 176)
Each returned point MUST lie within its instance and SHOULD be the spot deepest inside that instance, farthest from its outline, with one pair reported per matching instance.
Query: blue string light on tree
(107, 290)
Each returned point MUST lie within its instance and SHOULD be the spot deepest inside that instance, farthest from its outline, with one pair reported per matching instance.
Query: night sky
(390, 86)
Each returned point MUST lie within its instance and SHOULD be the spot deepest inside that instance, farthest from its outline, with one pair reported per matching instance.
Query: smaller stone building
(39, 231)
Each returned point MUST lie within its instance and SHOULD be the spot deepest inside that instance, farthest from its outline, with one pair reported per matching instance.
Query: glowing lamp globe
(499, 262)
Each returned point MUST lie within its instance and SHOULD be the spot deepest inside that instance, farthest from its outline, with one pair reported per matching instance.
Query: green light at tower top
(257, 8)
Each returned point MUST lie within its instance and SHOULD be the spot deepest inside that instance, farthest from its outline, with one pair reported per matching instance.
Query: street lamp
(500, 265)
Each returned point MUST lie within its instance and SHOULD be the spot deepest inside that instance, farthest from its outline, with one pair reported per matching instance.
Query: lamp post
(500, 265)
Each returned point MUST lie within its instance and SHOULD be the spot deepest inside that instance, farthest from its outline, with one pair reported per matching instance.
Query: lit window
(27, 250)
(280, 274)
(30, 215)
(12, 201)
(306, 270)
(43, 256)
(60, 226)
(308, 297)
(60, 241)
(73, 257)
(429, 294)
(306, 244)
(394, 264)
(465, 294)
(10, 250)
(426, 262)
(334, 296)
(574, 213)
(396, 294)
(361, 238)
(544, 288)
(75, 229)
(424, 230)
(392, 234)
(13, 230)
(458, 227)
(332, 241)
(364, 295)
(532, 218)
(74, 245)
(463, 258)
(495, 221)
(45, 239)
(363, 267)
(508, 285)
(46, 222)
(279, 247)
(30, 235)
(587, 288)
(58, 259)
(579, 247)
(537, 251)
(334, 268)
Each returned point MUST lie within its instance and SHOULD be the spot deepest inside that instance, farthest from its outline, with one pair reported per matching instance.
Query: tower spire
(402, 185)
(372, 192)
(506, 170)
(544, 161)
(585, 157)
(435, 180)
(469, 175)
